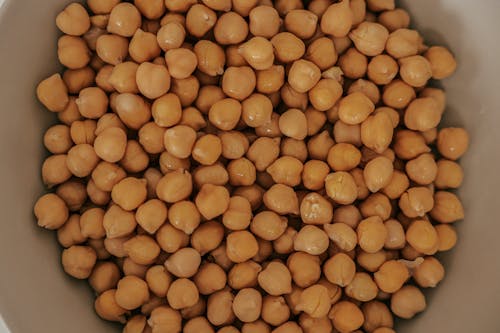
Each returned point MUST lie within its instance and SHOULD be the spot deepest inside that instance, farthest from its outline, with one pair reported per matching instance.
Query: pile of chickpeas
(250, 166)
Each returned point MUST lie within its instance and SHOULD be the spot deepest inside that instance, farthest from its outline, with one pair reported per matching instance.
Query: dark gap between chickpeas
(250, 166)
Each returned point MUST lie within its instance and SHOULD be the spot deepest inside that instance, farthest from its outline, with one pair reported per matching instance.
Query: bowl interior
(37, 296)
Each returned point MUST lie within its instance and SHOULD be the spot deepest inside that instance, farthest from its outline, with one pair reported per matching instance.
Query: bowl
(36, 295)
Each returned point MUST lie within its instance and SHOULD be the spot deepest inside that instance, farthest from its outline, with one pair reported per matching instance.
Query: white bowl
(35, 294)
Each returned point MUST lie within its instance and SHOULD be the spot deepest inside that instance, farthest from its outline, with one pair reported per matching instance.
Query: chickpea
(303, 75)
(175, 186)
(153, 80)
(314, 301)
(447, 207)
(394, 19)
(447, 236)
(404, 43)
(302, 23)
(378, 173)
(362, 288)
(210, 278)
(422, 236)
(105, 276)
(107, 308)
(228, 329)
(207, 237)
(342, 235)
(377, 315)
(349, 215)
(70, 112)
(341, 187)
(429, 273)
(184, 263)
(268, 225)
(442, 62)
(70, 233)
(315, 209)
(391, 276)
(346, 316)
(211, 59)
(312, 240)
(219, 308)
(324, 95)
(241, 246)
(416, 201)
(407, 302)
(382, 69)
(181, 62)
(343, 157)
(415, 70)
(370, 38)
(214, 174)
(212, 200)
(395, 235)
(293, 123)
(355, 108)
(83, 132)
(91, 223)
(207, 149)
(286, 170)
(131, 292)
(275, 311)
(184, 216)
(243, 275)
(158, 280)
(371, 261)
(171, 36)
(199, 20)
(371, 234)
(310, 324)
(275, 279)
(288, 47)
(124, 20)
(263, 152)
(164, 318)
(144, 47)
(53, 93)
(408, 144)
(282, 199)
(73, 52)
(171, 239)
(452, 142)
(398, 94)
(422, 170)
(305, 269)
(55, 171)
(256, 110)
(232, 82)
(345, 133)
(315, 121)
(353, 64)
(337, 20)
(112, 49)
(182, 293)
(192, 117)
(264, 21)
(123, 77)
(284, 244)
(73, 20)
(292, 98)
(96, 195)
(78, 79)
(133, 110)
(271, 79)
(247, 305)
(313, 177)
(106, 175)
(230, 28)
(78, 261)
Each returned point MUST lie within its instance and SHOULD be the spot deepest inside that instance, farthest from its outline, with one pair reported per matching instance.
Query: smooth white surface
(37, 297)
